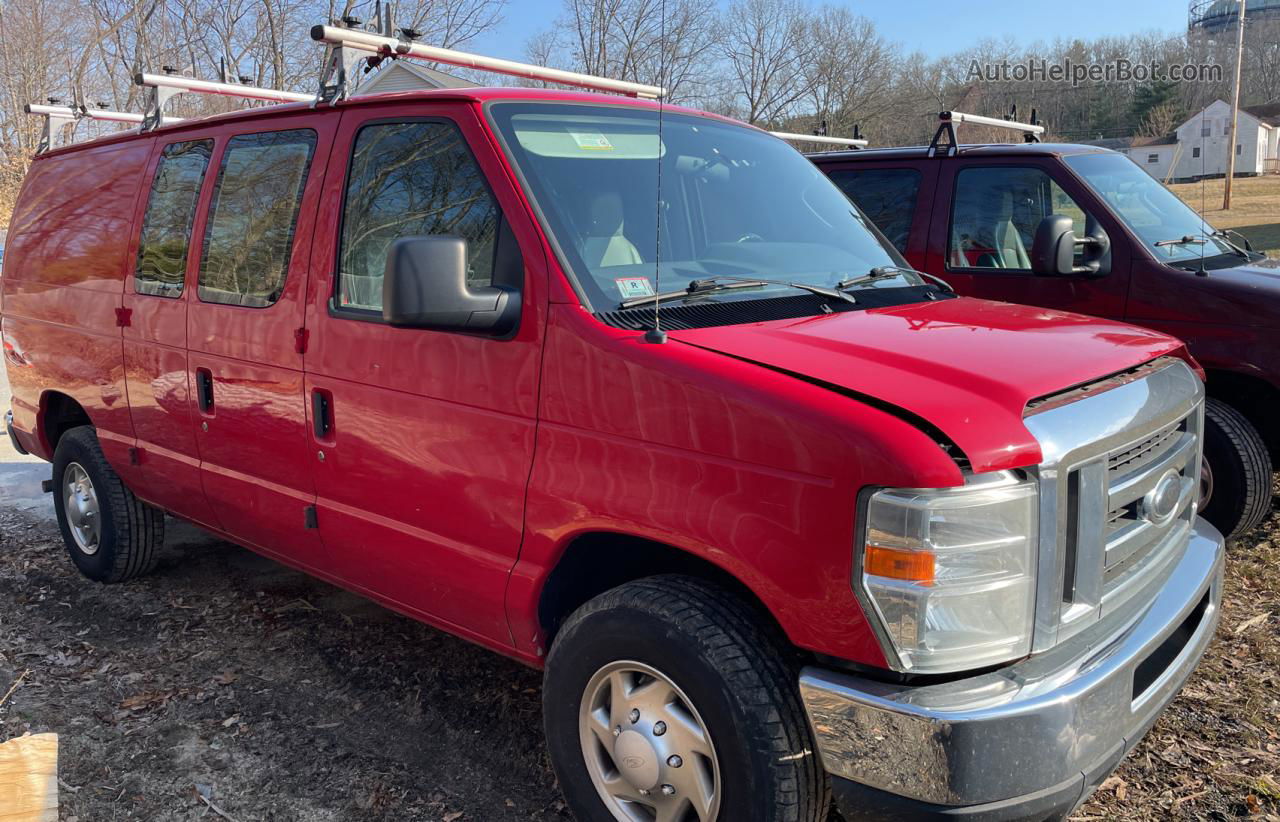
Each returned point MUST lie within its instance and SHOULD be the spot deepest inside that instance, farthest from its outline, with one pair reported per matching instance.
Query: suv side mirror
(1053, 250)
(425, 286)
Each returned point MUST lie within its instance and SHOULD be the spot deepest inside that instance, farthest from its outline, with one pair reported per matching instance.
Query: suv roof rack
(948, 119)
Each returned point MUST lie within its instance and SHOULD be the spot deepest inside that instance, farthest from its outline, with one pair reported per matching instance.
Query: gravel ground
(225, 685)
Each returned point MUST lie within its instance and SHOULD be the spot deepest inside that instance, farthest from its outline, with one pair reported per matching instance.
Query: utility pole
(1235, 112)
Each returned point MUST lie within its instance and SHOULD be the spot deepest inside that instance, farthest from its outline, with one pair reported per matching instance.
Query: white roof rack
(348, 45)
(57, 118)
(166, 86)
(821, 138)
(948, 120)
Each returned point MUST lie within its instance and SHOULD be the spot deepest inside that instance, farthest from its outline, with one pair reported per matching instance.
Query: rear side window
(411, 179)
(249, 233)
(166, 227)
(886, 195)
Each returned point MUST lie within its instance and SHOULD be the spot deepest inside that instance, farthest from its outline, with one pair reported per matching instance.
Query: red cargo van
(976, 215)
(840, 530)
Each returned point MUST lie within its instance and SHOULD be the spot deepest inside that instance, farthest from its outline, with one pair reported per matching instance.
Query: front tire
(668, 699)
(1237, 471)
(110, 534)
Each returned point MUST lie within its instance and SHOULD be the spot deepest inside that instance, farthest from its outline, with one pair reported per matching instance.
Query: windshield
(735, 202)
(1152, 211)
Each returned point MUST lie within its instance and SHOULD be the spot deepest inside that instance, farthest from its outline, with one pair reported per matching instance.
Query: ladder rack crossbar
(377, 44)
(190, 84)
(994, 122)
(820, 138)
(102, 114)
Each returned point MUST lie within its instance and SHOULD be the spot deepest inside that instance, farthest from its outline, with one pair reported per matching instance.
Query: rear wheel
(1236, 473)
(110, 534)
(666, 700)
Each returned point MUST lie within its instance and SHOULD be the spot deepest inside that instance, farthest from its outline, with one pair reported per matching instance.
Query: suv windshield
(735, 202)
(1153, 212)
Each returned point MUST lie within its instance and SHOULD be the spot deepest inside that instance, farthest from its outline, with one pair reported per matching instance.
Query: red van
(991, 219)
(835, 529)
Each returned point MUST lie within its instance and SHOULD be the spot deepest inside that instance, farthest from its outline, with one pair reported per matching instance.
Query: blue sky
(935, 27)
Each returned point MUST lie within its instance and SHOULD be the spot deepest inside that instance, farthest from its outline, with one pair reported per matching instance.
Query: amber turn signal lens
(894, 563)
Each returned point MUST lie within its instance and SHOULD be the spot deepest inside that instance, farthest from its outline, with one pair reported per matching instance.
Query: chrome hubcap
(646, 748)
(81, 506)
(1206, 484)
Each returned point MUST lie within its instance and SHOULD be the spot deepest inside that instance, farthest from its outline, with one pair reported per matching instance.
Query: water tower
(1213, 18)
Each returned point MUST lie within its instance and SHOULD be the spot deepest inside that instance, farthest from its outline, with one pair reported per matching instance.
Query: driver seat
(606, 243)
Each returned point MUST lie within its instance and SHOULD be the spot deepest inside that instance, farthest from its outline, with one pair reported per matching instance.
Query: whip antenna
(656, 335)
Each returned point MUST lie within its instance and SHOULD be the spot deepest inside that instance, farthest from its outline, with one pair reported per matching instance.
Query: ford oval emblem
(1161, 502)
(633, 762)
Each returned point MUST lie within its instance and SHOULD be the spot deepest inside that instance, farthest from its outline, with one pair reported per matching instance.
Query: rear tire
(1238, 471)
(714, 665)
(111, 535)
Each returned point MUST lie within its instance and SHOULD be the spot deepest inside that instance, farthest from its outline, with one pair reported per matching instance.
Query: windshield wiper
(1224, 234)
(1189, 239)
(885, 271)
(709, 285)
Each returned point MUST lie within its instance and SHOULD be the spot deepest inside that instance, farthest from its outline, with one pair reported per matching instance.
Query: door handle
(204, 389)
(322, 413)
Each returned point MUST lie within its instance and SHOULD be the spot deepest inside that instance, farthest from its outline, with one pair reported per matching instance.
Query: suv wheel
(1236, 475)
(111, 535)
(666, 699)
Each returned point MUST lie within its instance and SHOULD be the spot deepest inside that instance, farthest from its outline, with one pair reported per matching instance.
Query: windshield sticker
(630, 287)
(591, 141)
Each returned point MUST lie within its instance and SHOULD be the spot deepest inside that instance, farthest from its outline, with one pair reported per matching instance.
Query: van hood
(966, 367)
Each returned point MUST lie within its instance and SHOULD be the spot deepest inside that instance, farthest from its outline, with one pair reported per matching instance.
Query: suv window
(886, 195)
(166, 226)
(996, 212)
(249, 233)
(411, 179)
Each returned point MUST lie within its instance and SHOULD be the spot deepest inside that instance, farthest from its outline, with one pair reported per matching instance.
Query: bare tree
(850, 72)
(766, 49)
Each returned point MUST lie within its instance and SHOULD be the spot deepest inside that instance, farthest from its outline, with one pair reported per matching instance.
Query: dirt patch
(227, 680)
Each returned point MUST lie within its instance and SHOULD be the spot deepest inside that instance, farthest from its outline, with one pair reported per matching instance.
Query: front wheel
(666, 699)
(1236, 475)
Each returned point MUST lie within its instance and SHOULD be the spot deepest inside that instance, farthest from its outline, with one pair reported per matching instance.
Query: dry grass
(1255, 208)
(1215, 753)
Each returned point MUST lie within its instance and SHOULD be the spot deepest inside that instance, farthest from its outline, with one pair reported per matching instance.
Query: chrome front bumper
(13, 436)
(1058, 719)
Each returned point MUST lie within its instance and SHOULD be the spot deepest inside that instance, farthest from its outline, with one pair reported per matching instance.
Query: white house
(1202, 140)
(1198, 147)
(404, 75)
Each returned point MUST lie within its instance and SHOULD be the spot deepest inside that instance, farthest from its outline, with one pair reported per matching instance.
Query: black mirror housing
(425, 286)
(1053, 249)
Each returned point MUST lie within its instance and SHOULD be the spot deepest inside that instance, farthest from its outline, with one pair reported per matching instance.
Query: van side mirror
(425, 286)
(1053, 250)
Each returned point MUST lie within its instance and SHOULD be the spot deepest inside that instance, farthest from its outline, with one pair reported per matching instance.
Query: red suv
(999, 222)
(837, 529)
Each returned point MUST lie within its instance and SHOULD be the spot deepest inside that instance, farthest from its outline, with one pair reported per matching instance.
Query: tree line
(792, 64)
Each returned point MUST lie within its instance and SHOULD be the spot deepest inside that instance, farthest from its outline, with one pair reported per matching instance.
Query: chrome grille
(1118, 495)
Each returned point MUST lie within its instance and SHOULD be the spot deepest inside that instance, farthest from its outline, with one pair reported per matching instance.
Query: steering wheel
(750, 237)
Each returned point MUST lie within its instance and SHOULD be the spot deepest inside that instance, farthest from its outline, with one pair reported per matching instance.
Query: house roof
(1269, 114)
(404, 75)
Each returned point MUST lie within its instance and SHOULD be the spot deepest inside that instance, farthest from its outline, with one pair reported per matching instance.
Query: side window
(411, 180)
(249, 233)
(996, 212)
(886, 195)
(166, 226)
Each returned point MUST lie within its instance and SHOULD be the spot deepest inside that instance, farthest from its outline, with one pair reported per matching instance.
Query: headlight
(951, 572)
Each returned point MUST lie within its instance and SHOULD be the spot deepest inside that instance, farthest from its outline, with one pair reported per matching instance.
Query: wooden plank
(29, 779)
